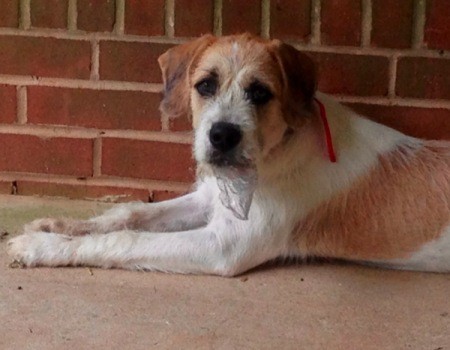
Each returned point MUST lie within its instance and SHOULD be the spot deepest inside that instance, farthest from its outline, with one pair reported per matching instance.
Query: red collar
(326, 126)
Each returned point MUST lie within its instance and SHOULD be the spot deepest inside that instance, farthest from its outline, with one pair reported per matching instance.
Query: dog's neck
(303, 145)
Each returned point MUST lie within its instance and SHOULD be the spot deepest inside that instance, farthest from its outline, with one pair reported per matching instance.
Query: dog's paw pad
(16, 264)
(22, 249)
(69, 227)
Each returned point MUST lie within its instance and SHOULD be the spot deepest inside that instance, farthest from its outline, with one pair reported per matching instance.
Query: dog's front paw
(40, 248)
(65, 226)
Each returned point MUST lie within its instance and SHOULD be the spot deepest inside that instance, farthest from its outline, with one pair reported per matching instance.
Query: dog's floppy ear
(299, 78)
(176, 65)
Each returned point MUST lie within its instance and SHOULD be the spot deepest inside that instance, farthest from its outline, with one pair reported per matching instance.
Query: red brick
(82, 191)
(427, 123)
(103, 109)
(193, 18)
(45, 57)
(6, 187)
(423, 77)
(159, 196)
(437, 26)
(147, 159)
(290, 19)
(352, 74)
(241, 16)
(131, 61)
(341, 22)
(9, 15)
(64, 156)
(49, 13)
(7, 104)
(392, 23)
(180, 124)
(144, 17)
(96, 15)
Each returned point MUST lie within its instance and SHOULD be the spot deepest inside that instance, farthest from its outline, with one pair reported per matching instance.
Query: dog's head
(244, 95)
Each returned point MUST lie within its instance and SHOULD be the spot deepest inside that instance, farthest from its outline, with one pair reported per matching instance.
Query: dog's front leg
(226, 246)
(180, 214)
(199, 251)
(183, 213)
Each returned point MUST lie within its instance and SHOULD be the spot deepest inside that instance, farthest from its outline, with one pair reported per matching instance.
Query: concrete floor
(316, 306)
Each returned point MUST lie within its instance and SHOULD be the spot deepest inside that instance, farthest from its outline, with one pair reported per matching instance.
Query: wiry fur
(386, 201)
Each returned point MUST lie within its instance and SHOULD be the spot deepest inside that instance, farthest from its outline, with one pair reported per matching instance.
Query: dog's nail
(16, 264)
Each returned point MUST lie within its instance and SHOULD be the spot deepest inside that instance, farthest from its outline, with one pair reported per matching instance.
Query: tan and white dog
(386, 201)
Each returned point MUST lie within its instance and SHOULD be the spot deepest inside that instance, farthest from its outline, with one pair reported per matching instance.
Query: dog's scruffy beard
(236, 185)
(237, 178)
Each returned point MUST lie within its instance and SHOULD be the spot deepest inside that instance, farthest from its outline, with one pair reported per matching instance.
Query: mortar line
(366, 22)
(97, 157)
(217, 18)
(95, 60)
(382, 52)
(110, 181)
(64, 34)
(52, 131)
(418, 24)
(72, 15)
(169, 18)
(119, 23)
(13, 187)
(315, 22)
(81, 84)
(25, 14)
(392, 75)
(265, 19)
(165, 123)
(395, 101)
(22, 105)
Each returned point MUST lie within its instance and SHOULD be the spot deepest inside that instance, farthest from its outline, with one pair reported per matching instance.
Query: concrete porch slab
(315, 306)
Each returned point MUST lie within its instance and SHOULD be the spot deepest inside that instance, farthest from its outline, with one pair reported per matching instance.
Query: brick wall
(79, 81)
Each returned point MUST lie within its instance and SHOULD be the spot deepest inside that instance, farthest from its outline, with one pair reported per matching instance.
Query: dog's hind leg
(433, 256)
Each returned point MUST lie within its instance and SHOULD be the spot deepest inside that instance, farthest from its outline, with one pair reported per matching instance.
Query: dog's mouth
(220, 159)
(228, 159)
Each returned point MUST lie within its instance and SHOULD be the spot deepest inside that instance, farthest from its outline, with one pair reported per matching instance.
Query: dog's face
(244, 94)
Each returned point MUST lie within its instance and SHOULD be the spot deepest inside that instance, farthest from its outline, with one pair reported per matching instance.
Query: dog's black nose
(225, 136)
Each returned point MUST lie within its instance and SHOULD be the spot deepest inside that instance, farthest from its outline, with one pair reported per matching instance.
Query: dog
(330, 183)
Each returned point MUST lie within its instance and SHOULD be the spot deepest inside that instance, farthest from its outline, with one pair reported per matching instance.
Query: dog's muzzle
(235, 174)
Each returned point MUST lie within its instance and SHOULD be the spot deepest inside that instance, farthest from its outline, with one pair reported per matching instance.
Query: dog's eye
(258, 94)
(206, 87)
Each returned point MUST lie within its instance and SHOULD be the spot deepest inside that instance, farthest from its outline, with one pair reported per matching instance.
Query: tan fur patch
(390, 213)
(176, 65)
